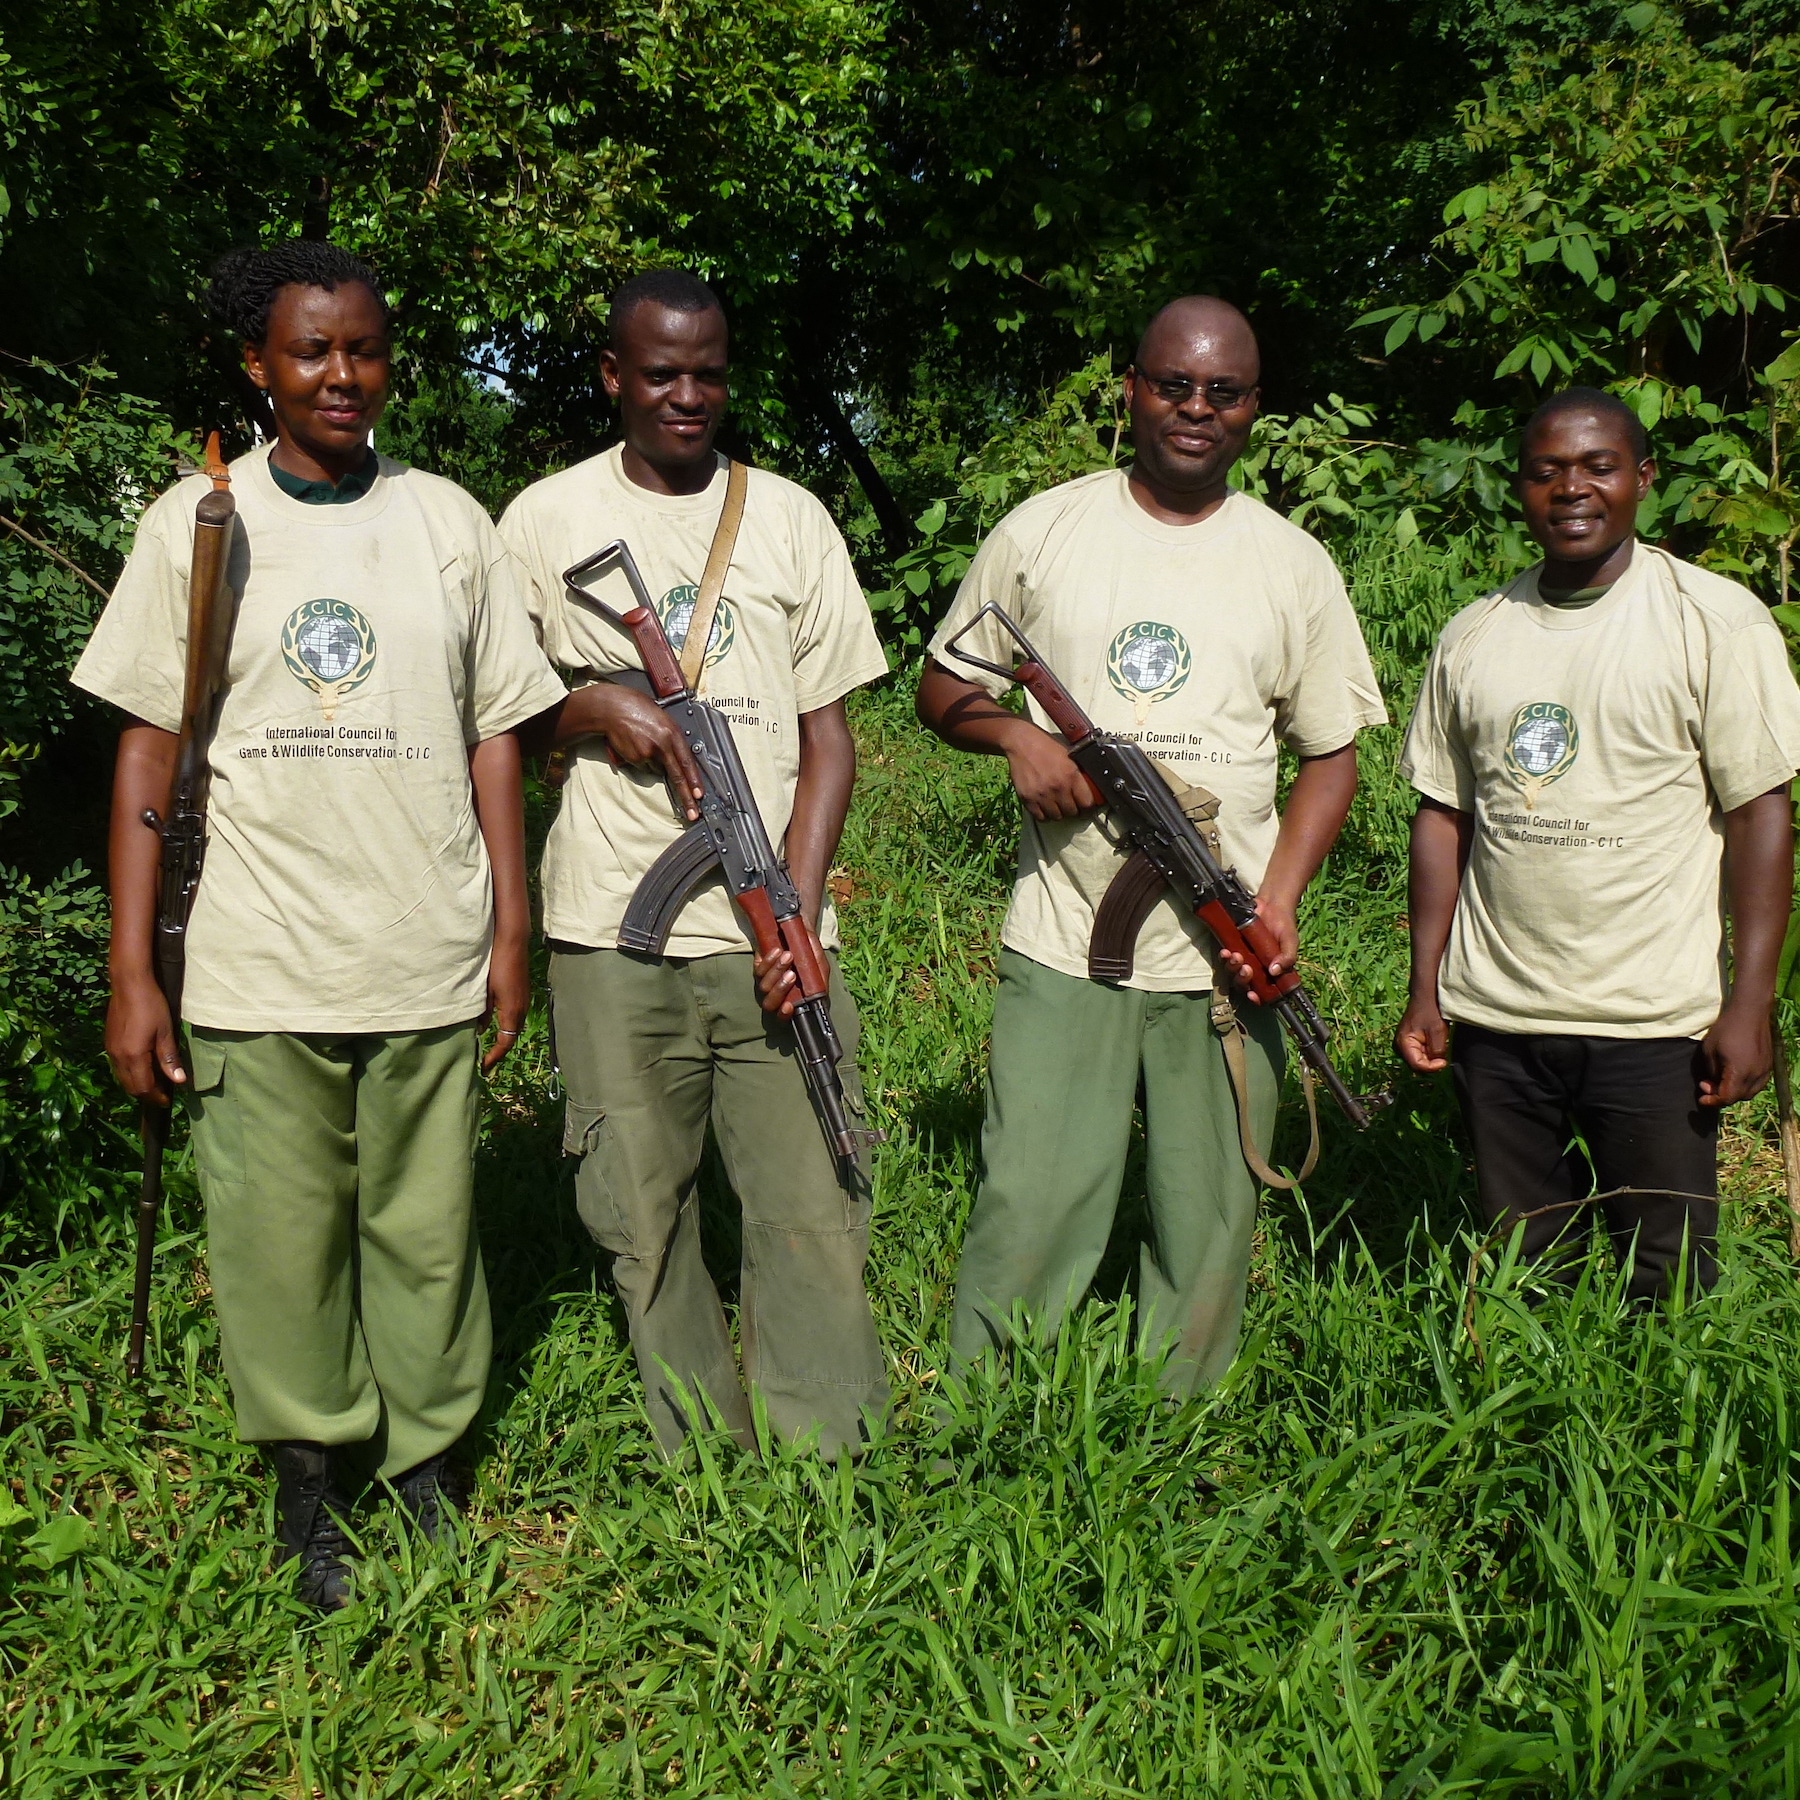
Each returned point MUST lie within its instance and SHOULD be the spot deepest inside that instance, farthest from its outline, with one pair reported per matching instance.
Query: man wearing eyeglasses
(1193, 617)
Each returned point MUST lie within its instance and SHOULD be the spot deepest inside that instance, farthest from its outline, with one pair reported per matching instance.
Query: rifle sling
(1112, 953)
(1231, 1039)
(712, 583)
(706, 605)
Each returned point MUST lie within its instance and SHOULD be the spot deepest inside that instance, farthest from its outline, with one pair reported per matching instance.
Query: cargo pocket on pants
(581, 1128)
(585, 1136)
(859, 1190)
(215, 1124)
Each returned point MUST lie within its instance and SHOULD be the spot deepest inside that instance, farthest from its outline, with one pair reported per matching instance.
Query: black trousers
(1635, 1105)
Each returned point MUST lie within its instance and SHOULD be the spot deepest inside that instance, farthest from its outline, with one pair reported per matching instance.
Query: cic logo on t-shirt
(676, 609)
(1148, 662)
(329, 647)
(1541, 746)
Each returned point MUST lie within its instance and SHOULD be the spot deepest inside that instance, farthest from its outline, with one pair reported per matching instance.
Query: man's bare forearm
(1439, 851)
(964, 715)
(1318, 804)
(582, 713)
(1759, 881)
(821, 802)
(1438, 854)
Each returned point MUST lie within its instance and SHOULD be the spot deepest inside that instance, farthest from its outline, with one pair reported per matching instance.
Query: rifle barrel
(153, 1130)
(182, 828)
(819, 1054)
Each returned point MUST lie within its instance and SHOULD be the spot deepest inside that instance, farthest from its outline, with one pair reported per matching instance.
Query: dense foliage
(1421, 1544)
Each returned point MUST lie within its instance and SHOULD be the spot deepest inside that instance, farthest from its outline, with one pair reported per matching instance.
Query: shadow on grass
(946, 1117)
(537, 1254)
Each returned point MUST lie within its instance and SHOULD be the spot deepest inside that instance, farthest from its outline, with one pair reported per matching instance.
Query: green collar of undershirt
(325, 493)
(1572, 599)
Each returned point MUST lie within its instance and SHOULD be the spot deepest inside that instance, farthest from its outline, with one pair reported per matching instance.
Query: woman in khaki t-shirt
(361, 907)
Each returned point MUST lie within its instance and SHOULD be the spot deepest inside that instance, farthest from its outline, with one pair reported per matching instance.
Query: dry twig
(1513, 1220)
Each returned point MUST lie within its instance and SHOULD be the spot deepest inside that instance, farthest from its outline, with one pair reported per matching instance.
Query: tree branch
(55, 555)
(896, 528)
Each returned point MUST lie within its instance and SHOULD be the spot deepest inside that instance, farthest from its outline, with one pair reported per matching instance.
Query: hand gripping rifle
(1170, 848)
(729, 836)
(182, 828)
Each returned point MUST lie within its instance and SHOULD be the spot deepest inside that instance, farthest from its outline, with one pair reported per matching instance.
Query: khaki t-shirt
(346, 886)
(1210, 644)
(1597, 748)
(792, 634)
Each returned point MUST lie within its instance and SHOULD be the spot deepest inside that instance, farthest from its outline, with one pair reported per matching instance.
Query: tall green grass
(1544, 1551)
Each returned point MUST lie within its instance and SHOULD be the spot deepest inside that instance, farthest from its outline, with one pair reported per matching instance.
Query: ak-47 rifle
(182, 828)
(1174, 846)
(728, 836)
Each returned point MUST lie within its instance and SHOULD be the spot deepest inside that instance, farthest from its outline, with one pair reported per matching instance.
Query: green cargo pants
(338, 1176)
(1062, 1081)
(650, 1048)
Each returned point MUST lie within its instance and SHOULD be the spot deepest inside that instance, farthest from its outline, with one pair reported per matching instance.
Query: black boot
(431, 1494)
(312, 1504)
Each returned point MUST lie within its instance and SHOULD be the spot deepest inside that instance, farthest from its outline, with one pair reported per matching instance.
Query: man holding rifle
(654, 1042)
(1204, 625)
(1603, 750)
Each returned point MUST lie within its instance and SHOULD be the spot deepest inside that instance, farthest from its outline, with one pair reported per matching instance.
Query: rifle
(729, 836)
(182, 828)
(1173, 845)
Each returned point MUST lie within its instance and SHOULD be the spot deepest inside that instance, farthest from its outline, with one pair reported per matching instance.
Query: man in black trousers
(1603, 751)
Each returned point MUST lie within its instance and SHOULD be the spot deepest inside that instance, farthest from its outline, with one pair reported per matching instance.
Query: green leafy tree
(1632, 195)
(78, 462)
(503, 167)
(1632, 224)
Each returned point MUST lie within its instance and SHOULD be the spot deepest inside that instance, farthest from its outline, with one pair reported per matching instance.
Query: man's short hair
(1595, 404)
(674, 289)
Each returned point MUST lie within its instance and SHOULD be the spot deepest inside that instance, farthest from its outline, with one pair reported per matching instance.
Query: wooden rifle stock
(182, 828)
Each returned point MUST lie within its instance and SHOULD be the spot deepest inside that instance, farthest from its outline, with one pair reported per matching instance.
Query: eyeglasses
(1177, 390)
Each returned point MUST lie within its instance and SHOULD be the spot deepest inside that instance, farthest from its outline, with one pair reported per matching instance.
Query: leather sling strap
(692, 656)
(712, 583)
(215, 464)
(1128, 900)
(1231, 1036)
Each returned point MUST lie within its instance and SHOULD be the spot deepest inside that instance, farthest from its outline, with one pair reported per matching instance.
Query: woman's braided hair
(245, 282)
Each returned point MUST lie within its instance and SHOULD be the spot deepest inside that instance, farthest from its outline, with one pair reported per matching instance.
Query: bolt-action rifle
(1173, 846)
(729, 836)
(182, 828)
